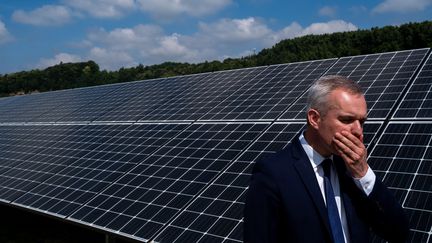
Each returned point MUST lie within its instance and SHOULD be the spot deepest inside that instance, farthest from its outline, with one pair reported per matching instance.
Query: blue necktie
(332, 209)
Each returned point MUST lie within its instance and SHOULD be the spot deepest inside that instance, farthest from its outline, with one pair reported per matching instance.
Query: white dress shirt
(365, 183)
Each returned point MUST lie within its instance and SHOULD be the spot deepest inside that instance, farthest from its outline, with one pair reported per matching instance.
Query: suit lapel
(307, 175)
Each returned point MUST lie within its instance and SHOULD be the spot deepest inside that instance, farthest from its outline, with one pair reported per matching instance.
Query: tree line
(310, 47)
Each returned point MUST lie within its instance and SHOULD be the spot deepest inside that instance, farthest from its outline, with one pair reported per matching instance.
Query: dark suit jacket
(284, 203)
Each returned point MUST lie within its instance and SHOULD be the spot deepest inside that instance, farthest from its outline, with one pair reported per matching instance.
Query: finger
(345, 143)
(358, 141)
(343, 155)
(357, 168)
(343, 150)
(351, 141)
(353, 153)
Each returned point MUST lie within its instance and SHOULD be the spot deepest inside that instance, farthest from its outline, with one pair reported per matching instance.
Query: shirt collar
(314, 157)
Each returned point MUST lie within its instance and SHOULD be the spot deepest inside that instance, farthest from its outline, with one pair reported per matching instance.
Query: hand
(353, 152)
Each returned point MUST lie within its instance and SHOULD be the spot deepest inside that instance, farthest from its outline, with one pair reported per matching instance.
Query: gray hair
(319, 91)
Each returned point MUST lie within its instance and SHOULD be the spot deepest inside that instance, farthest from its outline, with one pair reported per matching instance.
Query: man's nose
(357, 128)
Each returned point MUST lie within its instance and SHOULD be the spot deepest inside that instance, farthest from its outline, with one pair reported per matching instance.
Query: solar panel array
(169, 160)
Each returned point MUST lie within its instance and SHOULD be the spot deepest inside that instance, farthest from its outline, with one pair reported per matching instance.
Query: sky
(35, 34)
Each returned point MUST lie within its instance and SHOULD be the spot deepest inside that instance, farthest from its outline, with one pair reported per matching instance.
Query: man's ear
(314, 118)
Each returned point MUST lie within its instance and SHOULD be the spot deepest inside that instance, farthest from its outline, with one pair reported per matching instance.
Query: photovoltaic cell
(46, 107)
(417, 102)
(146, 97)
(90, 160)
(70, 101)
(269, 93)
(382, 76)
(29, 157)
(198, 99)
(216, 215)
(108, 103)
(148, 196)
(402, 157)
(254, 93)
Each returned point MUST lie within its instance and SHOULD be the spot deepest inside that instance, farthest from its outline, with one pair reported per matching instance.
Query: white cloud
(296, 30)
(401, 6)
(102, 8)
(5, 36)
(170, 46)
(291, 31)
(132, 39)
(162, 9)
(48, 15)
(235, 30)
(61, 57)
(327, 11)
(149, 44)
(329, 27)
(146, 44)
(111, 60)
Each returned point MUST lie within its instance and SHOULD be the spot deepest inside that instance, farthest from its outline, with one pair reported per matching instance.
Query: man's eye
(346, 120)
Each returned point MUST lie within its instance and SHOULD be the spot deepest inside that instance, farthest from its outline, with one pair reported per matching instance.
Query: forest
(310, 47)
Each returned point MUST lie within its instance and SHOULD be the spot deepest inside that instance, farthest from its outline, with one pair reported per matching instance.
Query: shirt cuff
(367, 182)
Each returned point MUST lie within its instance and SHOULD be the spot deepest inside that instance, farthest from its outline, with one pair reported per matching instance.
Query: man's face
(347, 112)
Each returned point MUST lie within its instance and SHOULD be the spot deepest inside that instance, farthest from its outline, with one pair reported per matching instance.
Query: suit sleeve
(387, 218)
(262, 210)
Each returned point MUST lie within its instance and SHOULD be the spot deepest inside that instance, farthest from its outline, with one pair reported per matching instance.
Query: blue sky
(124, 33)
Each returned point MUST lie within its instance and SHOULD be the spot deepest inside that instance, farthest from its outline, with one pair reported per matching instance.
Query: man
(287, 200)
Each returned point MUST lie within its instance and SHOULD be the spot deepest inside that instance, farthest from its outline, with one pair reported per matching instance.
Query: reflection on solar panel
(169, 160)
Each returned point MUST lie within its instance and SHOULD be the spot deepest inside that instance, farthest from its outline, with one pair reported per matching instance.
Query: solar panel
(147, 96)
(98, 107)
(216, 214)
(196, 101)
(254, 93)
(269, 93)
(149, 195)
(170, 159)
(70, 101)
(402, 157)
(25, 157)
(45, 106)
(383, 77)
(5, 101)
(417, 102)
(89, 160)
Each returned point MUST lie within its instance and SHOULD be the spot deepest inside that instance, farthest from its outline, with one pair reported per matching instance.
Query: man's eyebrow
(352, 116)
